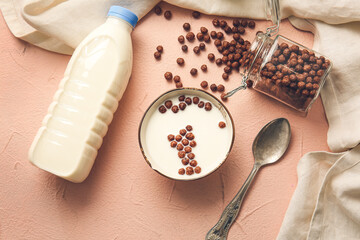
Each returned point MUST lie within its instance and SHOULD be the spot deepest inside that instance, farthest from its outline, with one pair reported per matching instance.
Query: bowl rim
(196, 90)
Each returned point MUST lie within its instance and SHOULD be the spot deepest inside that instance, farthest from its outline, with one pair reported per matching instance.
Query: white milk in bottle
(94, 81)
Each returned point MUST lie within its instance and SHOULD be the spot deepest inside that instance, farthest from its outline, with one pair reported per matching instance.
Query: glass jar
(282, 68)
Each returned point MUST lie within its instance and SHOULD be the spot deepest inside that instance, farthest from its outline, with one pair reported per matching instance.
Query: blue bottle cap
(123, 13)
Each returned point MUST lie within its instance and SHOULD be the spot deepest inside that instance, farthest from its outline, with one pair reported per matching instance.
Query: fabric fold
(333, 213)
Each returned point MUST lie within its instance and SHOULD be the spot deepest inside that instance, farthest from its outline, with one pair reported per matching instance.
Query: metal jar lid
(272, 10)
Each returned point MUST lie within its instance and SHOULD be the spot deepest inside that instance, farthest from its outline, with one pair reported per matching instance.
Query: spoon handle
(221, 228)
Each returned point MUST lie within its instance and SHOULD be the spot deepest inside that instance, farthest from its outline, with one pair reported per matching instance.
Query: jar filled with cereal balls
(283, 69)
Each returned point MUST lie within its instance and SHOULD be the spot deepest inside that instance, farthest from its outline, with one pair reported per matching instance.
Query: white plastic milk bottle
(94, 81)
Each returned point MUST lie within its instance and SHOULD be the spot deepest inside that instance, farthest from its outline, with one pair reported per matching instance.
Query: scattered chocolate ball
(221, 88)
(190, 36)
(213, 34)
(193, 71)
(157, 10)
(157, 55)
(241, 30)
(189, 128)
(182, 171)
(190, 136)
(218, 61)
(227, 69)
(195, 101)
(197, 170)
(206, 38)
(196, 50)
(196, 14)
(208, 106)
(191, 155)
(182, 106)
(187, 149)
(204, 84)
(203, 30)
(236, 36)
(178, 85)
(168, 76)
(162, 109)
(181, 98)
(211, 57)
(177, 78)
(251, 24)
(178, 138)
(222, 124)
(185, 142)
(180, 61)
(160, 49)
(219, 35)
(175, 109)
(235, 65)
(223, 24)
(213, 87)
(168, 104)
(216, 22)
(184, 48)
(167, 15)
(201, 104)
(185, 161)
(217, 42)
(181, 154)
(225, 76)
(186, 26)
(189, 171)
(188, 101)
(236, 22)
(202, 46)
(228, 29)
(200, 36)
(249, 83)
(173, 144)
(181, 39)
(182, 132)
(171, 137)
(204, 67)
(179, 147)
(244, 22)
(193, 144)
(223, 97)
(193, 163)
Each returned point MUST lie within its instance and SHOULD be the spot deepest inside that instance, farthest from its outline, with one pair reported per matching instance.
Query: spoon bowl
(269, 146)
(272, 141)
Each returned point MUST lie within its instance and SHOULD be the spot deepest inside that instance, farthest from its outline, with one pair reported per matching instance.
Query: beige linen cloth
(326, 202)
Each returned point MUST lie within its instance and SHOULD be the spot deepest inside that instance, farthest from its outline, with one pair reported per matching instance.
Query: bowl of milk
(213, 143)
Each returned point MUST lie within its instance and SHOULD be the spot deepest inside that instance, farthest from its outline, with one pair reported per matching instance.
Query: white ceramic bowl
(213, 143)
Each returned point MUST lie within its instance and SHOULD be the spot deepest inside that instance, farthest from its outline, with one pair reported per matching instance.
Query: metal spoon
(269, 146)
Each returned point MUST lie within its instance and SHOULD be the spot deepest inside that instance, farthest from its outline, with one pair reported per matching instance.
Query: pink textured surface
(123, 198)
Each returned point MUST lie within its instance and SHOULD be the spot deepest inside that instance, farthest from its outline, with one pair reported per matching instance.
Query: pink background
(123, 198)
